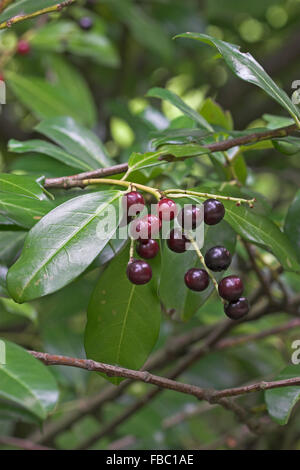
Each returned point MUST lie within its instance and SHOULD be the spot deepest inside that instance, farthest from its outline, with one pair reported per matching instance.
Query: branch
(18, 18)
(162, 382)
(174, 348)
(21, 443)
(66, 182)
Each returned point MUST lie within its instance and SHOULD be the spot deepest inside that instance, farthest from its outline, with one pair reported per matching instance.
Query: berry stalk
(177, 193)
(201, 257)
(126, 184)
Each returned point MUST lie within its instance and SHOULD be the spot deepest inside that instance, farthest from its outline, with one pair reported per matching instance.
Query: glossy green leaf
(27, 382)
(22, 210)
(67, 76)
(181, 151)
(248, 69)
(182, 300)
(176, 101)
(137, 161)
(214, 114)
(47, 148)
(259, 229)
(255, 227)
(66, 36)
(25, 185)
(24, 310)
(25, 7)
(143, 27)
(10, 245)
(94, 46)
(76, 140)
(16, 413)
(292, 224)
(288, 145)
(62, 327)
(44, 99)
(123, 319)
(3, 274)
(179, 136)
(281, 401)
(63, 244)
(53, 36)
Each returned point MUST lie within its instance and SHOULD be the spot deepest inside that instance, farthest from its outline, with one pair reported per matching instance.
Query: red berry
(148, 249)
(166, 209)
(214, 211)
(145, 228)
(1, 78)
(218, 258)
(190, 216)
(177, 241)
(139, 272)
(23, 47)
(237, 309)
(133, 203)
(231, 288)
(196, 279)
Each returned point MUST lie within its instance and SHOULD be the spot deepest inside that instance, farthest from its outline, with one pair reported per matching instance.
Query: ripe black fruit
(166, 209)
(177, 241)
(133, 203)
(218, 258)
(237, 309)
(86, 23)
(214, 211)
(139, 272)
(147, 249)
(145, 228)
(190, 216)
(196, 279)
(231, 288)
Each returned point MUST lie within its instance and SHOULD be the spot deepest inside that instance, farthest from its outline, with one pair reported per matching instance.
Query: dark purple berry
(133, 203)
(148, 249)
(231, 288)
(237, 309)
(86, 23)
(214, 211)
(190, 216)
(166, 209)
(145, 228)
(139, 272)
(218, 258)
(177, 241)
(196, 279)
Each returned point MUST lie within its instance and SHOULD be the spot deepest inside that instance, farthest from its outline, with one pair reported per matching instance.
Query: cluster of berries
(217, 258)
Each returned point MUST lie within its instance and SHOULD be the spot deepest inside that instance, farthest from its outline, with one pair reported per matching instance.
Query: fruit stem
(131, 250)
(126, 184)
(173, 193)
(201, 257)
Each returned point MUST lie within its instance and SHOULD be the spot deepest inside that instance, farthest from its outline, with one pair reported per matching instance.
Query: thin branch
(258, 387)
(64, 182)
(70, 181)
(21, 443)
(174, 348)
(201, 393)
(18, 18)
